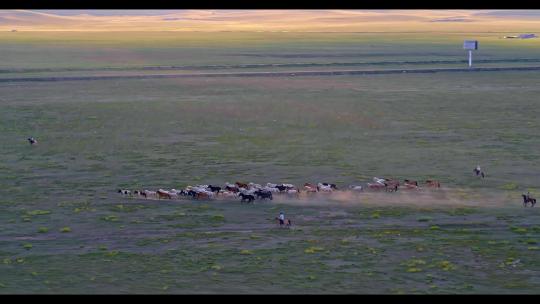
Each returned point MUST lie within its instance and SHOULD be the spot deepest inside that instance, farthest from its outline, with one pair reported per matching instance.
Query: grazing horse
(433, 183)
(263, 194)
(528, 199)
(246, 197)
(214, 189)
(163, 194)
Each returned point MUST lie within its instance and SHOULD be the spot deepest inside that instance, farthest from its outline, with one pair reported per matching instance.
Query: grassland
(64, 229)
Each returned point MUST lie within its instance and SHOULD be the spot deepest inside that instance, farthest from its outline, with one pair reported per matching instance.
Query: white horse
(356, 188)
(124, 192)
(254, 186)
(228, 194)
(324, 188)
(381, 181)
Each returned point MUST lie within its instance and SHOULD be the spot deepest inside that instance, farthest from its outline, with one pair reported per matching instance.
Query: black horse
(124, 192)
(333, 186)
(247, 197)
(214, 188)
(191, 193)
(528, 199)
(261, 194)
(281, 188)
(479, 172)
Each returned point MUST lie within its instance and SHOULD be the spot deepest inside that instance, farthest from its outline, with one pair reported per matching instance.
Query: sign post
(470, 45)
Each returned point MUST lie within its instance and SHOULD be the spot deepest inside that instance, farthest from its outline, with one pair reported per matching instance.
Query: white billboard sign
(470, 45)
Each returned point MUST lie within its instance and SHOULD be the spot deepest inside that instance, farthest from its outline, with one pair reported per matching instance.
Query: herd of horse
(249, 192)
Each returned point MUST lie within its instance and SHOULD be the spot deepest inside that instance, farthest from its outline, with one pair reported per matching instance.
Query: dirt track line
(258, 65)
(268, 74)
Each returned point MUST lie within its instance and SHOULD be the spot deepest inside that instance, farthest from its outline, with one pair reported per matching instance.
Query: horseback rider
(479, 171)
(281, 218)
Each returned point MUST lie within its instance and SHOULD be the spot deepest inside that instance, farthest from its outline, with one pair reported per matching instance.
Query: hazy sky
(271, 20)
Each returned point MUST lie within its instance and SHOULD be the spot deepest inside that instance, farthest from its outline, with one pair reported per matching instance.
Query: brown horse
(242, 185)
(392, 187)
(202, 195)
(408, 182)
(433, 183)
(232, 189)
(162, 194)
(376, 186)
(310, 188)
(286, 222)
(410, 187)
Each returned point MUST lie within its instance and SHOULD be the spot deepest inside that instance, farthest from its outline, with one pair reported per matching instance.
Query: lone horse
(528, 199)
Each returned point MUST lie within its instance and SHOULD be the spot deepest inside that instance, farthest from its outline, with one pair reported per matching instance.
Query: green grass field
(64, 229)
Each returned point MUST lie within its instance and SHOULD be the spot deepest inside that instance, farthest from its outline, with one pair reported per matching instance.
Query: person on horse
(478, 171)
(281, 218)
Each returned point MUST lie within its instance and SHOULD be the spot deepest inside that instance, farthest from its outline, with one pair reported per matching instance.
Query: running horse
(408, 182)
(310, 188)
(246, 197)
(376, 186)
(433, 183)
(163, 194)
(242, 185)
(392, 185)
